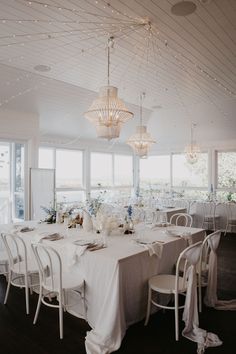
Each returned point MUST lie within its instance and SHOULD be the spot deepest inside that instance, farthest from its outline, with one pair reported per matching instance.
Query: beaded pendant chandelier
(192, 150)
(107, 112)
(141, 141)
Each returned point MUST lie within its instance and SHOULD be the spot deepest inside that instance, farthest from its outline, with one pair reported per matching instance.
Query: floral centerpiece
(51, 215)
(93, 208)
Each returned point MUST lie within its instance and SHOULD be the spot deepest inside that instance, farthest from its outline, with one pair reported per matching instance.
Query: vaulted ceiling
(186, 65)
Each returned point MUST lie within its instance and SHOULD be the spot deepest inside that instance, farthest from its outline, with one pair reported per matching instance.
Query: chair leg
(61, 316)
(8, 286)
(30, 285)
(38, 305)
(200, 292)
(226, 229)
(148, 306)
(26, 294)
(64, 300)
(84, 303)
(176, 316)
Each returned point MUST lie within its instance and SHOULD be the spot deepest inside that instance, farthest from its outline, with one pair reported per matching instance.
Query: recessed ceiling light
(42, 68)
(183, 8)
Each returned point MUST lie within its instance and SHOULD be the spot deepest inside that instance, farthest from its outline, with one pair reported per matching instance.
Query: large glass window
(123, 170)
(155, 172)
(19, 168)
(70, 197)
(226, 169)
(187, 175)
(101, 169)
(69, 169)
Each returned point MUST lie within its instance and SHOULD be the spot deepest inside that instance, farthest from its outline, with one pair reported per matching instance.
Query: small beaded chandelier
(141, 141)
(192, 150)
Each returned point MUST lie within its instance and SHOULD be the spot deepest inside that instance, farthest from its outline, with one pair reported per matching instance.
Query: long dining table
(116, 276)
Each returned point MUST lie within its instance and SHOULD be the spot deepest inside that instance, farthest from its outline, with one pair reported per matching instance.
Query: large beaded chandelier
(141, 140)
(107, 112)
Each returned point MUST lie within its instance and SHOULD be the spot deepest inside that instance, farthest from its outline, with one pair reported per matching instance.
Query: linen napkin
(52, 237)
(78, 252)
(26, 229)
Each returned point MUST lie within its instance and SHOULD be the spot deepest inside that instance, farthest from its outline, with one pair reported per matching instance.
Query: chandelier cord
(142, 96)
(108, 62)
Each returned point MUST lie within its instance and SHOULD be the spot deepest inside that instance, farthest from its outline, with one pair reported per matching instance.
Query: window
(46, 158)
(18, 170)
(12, 181)
(111, 175)
(68, 166)
(123, 170)
(226, 170)
(101, 169)
(5, 180)
(187, 175)
(155, 172)
(70, 197)
(226, 181)
(69, 169)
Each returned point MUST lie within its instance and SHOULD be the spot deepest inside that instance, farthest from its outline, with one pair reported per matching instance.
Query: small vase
(87, 221)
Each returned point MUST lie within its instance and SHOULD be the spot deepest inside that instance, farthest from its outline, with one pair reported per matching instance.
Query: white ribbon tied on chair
(192, 331)
(154, 248)
(211, 299)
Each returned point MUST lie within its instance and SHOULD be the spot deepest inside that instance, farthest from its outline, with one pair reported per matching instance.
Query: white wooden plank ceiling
(178, 61)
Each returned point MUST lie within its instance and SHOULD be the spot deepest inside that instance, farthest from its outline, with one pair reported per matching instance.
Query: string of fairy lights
(151, 50)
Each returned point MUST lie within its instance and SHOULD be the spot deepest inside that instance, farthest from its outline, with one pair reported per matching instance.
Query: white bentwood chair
(3, 258)
(21, 271)
(176, 285)
(53, 280)
(181, 219)
(231, 216)
(210, 244)
(208, 212)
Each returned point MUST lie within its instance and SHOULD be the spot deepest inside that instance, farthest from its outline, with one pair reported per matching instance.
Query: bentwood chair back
(22, 273)
(53, 280)
(3, 258)
(230, 217)
(176, 285)
(210, 244)
(181, 219)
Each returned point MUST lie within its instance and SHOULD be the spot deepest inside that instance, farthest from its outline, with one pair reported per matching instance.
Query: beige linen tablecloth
(116, 277)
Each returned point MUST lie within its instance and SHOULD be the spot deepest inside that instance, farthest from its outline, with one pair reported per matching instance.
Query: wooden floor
(19, 335)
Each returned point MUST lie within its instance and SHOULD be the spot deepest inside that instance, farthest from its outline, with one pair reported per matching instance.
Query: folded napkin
(26, 229)
(52, 237)
(96, 247)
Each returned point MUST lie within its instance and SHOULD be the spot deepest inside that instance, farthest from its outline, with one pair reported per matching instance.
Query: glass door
(5, 183)
(12, 176)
